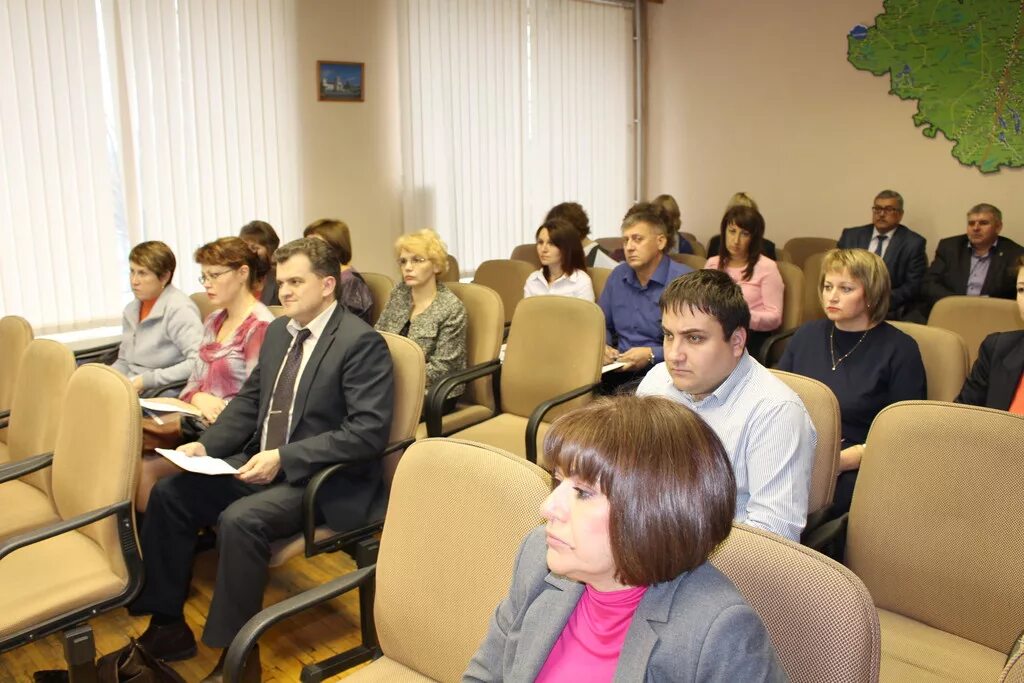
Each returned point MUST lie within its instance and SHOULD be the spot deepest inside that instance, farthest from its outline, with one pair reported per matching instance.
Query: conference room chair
(485, 328)
(552, 364)
(453, 273)
(819, 615)
(934, 532)
(793, 296)
(458, 514)
(799, 248)
(813, 310)
(380, 290)
(692, 260)
(945, 358)
(782, 256)
(46, 367)
(598, 278)
(202, 301)
(507, 277)
(698, 247)
(59, 576)
(528, 253)
(823, 408)
(610, 244)
(15, 334)
(276, 310)
(974, 318)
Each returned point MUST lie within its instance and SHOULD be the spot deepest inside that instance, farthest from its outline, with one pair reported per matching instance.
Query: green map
(962, 61)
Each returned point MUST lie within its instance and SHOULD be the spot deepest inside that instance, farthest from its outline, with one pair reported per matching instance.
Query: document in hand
(201, 464)
(169, 405)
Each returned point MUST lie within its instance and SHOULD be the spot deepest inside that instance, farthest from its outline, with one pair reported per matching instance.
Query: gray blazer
(696, 627)
(440, 330)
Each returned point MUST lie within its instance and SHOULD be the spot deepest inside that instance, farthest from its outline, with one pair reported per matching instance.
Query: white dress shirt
(577, 285)
(873, 244)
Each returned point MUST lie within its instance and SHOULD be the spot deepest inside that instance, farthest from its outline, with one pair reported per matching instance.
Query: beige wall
(350, 157)
(758, 96)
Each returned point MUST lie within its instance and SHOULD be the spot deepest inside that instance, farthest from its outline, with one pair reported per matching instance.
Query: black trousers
(249, 517)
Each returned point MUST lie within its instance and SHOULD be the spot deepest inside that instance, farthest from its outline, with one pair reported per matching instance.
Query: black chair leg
(80, 654)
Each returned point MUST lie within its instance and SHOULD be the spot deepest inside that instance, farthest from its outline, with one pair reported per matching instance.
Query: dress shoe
(170, 643)
(251, 670)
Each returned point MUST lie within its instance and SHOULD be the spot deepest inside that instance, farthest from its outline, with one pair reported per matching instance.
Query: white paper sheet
(169, 406)
(201, 464)
(611, 366)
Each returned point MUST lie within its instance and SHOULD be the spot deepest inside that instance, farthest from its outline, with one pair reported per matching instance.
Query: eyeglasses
(212, 277)
(885, 209)
(415, 260)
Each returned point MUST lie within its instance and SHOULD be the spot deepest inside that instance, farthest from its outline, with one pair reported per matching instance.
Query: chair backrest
(15, 334)
(818, 613)
(507, 278)
(782, 256)
(46, 367)
(410, 384)
(467, 507)
(799, 248)
(528, 253)
(698, 248)
(793, 297)
(276, 310)
(380, 289)
(555, 344)
(485, 329)
(692, 260)
(935, 525)
(598, 278)
(203, 303)
(610, 244)
(945, 358)
(823, 407)
(974, 318)
(813, 309)
(96, 459)
(452, 274)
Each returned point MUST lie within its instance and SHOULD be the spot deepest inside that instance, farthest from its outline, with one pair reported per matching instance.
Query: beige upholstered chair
(507, 278)
(15, 334)
(698, 248)
(944, 354)
(599, 278)
(782, 256)
(799, 248)
(61, 575)
(552, 364)
(528, 253)
(818, 613)
(202, 301)
(380, 289)
(935, 534)
(813, 310)
(46, 367)
(692, 260)
(485, 327)
(793, 297)
(610, 244)
(823, 407)
(458, 514)
(974, 318)
(276, 311)
(452, 273)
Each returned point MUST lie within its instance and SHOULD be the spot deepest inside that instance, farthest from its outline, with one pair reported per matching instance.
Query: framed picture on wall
(340, 81)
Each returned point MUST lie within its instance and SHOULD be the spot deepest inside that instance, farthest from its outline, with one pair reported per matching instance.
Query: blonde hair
(425, 243)
(866, 268)
(741, 199)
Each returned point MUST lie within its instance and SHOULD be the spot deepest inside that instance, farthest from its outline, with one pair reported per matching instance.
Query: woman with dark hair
(263, 239)
(593, 254)
(563, 270)
(739, 254)
(642, 493)
(354, 293)
(674, 216)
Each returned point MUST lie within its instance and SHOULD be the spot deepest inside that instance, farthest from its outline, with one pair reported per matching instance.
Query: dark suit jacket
(947, 276)
(696, 627)
(269, 295)
(997, 372)
(905, 257)
(767, 247)
(342, 413)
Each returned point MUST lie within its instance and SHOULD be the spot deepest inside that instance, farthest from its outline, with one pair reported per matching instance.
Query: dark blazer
(342, 413)
(767, 247)
(696, 627)
(905, 258)
(269, 295)
(997, 372)
(947, 276)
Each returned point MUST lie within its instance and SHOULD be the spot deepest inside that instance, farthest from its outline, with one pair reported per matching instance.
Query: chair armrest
(62, 527)
(5, 418)
(766, 347)
(829, 538)
(440, 391)
(19, 468)
(533, 424)
(94, 354)
(246, 638)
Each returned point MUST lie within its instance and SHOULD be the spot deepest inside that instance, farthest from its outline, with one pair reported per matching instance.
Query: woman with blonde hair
(425, 310)
(866, 362)
(354, 293)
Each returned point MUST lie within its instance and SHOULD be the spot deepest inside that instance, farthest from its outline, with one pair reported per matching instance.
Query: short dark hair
(711, 292)
(749, 219)
(564, 236)
(262, 232)
(335, 233)
(574, 213)
(322, 257)
(891, 194)
(233, 252)
(653, 215)
(671, 490)
(156, 257)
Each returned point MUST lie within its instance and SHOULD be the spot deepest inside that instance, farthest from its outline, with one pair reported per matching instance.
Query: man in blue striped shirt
(762, 423)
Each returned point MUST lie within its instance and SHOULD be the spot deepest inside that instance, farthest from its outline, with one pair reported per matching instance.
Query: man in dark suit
(902, 249)
(320, 394)
(978, 263)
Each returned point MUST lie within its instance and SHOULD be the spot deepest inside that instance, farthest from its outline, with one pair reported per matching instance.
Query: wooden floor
(284, 649)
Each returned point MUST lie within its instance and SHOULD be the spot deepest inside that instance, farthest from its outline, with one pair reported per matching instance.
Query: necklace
(832, 347)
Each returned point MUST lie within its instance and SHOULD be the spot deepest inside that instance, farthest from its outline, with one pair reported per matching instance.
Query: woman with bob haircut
(741, 237)
(866, 362)
(161, 328)
(232, 336)
(424, 310)
(353, 291)
(642, 493)
(563, 269)
(263, 239)
(594, 255)
(674, 217)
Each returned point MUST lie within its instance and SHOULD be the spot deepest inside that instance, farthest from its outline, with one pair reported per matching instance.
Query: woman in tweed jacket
(425, 311)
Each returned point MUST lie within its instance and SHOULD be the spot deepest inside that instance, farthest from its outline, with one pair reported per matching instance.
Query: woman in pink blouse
(739, 254)
(232, 336)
